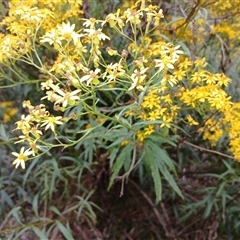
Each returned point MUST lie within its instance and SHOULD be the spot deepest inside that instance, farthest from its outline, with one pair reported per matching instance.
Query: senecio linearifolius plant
(154, 91)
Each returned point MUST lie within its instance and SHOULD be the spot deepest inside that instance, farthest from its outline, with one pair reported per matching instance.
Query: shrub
(116, 89)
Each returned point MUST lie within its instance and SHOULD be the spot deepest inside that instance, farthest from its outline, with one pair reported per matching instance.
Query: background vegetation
(114, 167)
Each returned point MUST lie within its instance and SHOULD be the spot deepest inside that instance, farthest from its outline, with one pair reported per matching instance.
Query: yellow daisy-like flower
(51, 37)
(191, 121)
(67, 98)
(22, 157)
(149, 130)
(50, 122)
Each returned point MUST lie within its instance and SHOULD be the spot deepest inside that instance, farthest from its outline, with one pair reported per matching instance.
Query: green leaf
(39, 233)
(116, 135)
(162, 161)
(123, 156)
(55, 210)
(120, 136)
(113, 155)
(66, 233)
(159, 138)
(6, 198)
(167, 175)
(21, 233)
(29, 170)
(150, 161)
(224, 200)
(123, 121)
(3, 134)
(35, 204)
(204, 13)
(162, 155)
(208, 209)
(221, 189)
(14, 212)
(185, 48)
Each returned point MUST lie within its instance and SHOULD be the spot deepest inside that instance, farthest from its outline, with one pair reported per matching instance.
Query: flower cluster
(8, 111)
(224, 127)
(147, 81)
(178, 93)
(32, 127)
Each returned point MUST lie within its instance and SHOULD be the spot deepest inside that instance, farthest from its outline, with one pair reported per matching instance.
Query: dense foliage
(97, 96)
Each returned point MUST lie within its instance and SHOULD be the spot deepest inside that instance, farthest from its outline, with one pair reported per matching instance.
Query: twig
(203, 124)
(160, 219)
(226, 16)
(211, 151)
(189, 18)
(207, 3)
(133, 165)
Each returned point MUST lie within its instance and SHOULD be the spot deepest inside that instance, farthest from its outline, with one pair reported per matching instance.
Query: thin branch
(156, 212)
(133, 165)
(189, 18)
(211, 151)
(207, 3)
(226, 16)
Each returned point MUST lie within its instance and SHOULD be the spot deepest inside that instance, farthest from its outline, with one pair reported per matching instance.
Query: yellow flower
(36, 132)
(213, 131)
(8, 111)
(153, 115)
(133, 16)
(197, 77)
(158, 15)
(191, 121)
(185, 64)
(90, 23)
(114, 19)
(156, 114)
(140, 136)
(219, 99)
(138, 77)
(88, 126)
(124, 143)
(151, 101)
(166, 121)
(51, 37)
(169, 79)
(67, 98)
(222, 80)
(34, 147)
(112, 52)
(24, 124)
(66, 30)
(22, 157)
(179, 74)
(33, 14)
(149, 130)
(164, 64)
(200, 63)
(113, 71)
(50, 122)
(211, 79)
(96, 35)
(91, 77)
(166, 99)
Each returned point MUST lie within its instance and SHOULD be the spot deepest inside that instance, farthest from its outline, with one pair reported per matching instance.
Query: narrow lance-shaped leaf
(66, 233)
(123, 156)
(163, 162)
(150, 161)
